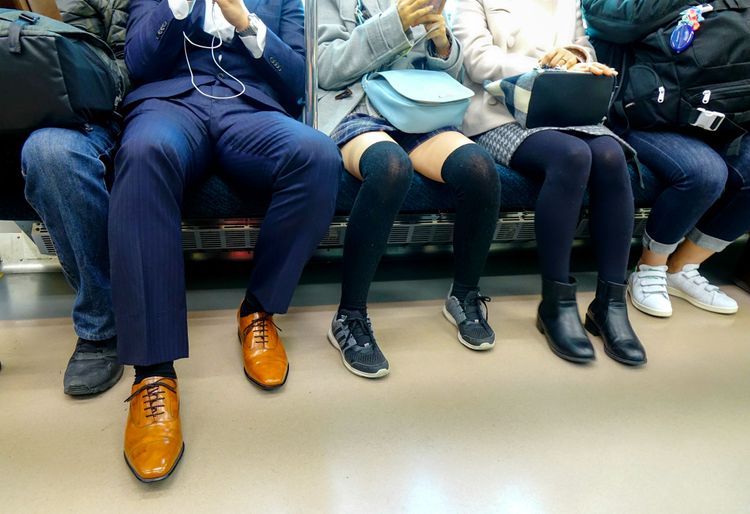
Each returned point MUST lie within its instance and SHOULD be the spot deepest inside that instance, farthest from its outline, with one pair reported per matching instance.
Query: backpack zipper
(662, 94)
(706, 97)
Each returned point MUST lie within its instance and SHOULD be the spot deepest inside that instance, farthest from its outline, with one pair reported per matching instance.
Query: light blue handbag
(417, 101)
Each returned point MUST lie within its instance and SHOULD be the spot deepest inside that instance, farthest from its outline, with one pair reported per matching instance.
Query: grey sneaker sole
(82, 390)
(480, 348)
(646, 309)
(706, 307)
(378, 374)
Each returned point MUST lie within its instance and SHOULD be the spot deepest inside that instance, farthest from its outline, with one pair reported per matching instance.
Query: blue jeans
(65, 183)
(707, 198)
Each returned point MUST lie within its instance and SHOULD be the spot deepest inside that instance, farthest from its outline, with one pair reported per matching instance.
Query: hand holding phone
(437, 32)
(411, 12)
(437, 6)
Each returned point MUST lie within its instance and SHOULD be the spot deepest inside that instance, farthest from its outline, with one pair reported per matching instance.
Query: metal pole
(311, 63)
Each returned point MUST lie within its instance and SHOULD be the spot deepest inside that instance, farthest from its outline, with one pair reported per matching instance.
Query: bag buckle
(709, 120)
(28, 17)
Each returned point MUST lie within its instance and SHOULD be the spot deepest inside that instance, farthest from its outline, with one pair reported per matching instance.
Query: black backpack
(705, 89)
(53, 74)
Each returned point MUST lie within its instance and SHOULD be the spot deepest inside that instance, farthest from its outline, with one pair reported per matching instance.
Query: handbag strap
(14, 30)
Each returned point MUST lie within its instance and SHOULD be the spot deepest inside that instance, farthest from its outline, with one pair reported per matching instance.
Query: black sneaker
(93, 368)
(471, 319)
(351, 333)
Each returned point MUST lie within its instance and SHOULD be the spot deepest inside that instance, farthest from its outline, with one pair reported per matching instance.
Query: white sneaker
(690, 285)
(647, 288)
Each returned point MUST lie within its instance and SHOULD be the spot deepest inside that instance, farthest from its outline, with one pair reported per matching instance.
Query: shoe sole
(158, 479)
(88, 391)
(706, 307)
(251, 379)
(574, 360)
(378, 374)
(591, 327)
(481, 348)
(647, 310)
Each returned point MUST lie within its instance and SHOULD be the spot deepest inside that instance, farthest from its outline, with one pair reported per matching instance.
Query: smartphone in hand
(437, 5)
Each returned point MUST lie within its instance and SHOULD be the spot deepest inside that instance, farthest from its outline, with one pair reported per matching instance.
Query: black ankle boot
(560, 323)
(607, 317)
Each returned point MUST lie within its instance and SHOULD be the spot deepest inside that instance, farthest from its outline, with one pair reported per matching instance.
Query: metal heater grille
(432, 229)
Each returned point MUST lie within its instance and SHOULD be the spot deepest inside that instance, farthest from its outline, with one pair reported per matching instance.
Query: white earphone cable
(213, 48)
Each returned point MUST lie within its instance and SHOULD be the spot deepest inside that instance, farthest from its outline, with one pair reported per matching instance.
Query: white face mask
(215, 24)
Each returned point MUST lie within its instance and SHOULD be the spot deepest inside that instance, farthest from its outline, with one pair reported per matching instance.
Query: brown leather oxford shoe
(264, 356)
(153, 433)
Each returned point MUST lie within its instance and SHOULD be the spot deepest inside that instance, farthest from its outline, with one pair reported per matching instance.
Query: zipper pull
(706, 96)
(662, 94)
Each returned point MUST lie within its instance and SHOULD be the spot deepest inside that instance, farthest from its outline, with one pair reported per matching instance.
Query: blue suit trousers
(170, 144)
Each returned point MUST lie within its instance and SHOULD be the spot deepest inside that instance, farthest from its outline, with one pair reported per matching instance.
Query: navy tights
(567, 164)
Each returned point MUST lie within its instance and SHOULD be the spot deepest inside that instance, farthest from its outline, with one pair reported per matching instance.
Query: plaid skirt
(503, 141)
(365, 119)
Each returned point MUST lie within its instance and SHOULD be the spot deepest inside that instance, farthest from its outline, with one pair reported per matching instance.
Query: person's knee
(47, 153)
(608, 159)
(608, 153)
(571, 166)
(313, 156)
(707, 179)
(141, 146)
(146, 159)
(476, 171)
(387, 167)
(314, 162)
(55, 162)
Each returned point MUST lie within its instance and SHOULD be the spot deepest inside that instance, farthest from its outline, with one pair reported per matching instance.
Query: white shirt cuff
(181, 8)
(257, 43)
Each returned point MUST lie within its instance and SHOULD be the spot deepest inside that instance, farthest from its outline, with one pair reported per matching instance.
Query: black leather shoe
(560, 323)
(93, 368)
(607, 317)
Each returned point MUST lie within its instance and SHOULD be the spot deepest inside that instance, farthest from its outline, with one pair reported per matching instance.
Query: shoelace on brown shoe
(152, 396)
(259, 327)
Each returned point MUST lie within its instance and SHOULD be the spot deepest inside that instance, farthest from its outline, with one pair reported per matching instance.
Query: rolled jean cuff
(657, 247)
(708, 242)
(95, 336)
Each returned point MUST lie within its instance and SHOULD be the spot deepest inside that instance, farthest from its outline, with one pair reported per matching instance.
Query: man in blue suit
(220, 86)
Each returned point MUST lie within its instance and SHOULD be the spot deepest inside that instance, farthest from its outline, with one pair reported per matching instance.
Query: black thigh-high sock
(563, 161)
(162, 369)
(471, 174)
(386, 176)
(611, 208)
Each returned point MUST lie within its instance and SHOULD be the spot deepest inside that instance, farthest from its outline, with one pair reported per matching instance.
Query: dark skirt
(356, 124)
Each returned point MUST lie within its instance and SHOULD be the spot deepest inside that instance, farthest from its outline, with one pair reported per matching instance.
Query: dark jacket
(628, 21)
(155, 54)
(614, 24)
(106, 19)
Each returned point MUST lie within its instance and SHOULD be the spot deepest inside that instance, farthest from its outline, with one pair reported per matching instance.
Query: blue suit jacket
(155, 56)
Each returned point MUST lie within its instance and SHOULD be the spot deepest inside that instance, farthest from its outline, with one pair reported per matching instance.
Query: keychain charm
(684, 35)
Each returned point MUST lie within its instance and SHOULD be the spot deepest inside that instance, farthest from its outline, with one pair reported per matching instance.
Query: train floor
(514, 429)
